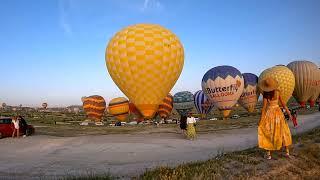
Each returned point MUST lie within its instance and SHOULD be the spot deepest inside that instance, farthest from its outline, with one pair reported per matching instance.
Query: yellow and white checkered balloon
(145, 61)
(285, 78)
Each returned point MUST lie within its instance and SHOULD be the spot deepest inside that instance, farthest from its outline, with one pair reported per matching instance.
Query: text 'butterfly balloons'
(223, 85)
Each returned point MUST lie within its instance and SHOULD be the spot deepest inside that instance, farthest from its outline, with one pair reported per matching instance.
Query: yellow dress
(273, 130)
(191, 131)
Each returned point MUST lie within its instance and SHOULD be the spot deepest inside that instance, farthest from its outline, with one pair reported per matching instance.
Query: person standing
(191, 130)
(183, 124)
(23, 124)
(16, 126)
(273, 130)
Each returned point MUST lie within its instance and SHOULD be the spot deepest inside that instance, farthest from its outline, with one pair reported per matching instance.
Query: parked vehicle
(6, 128)
(213, 119)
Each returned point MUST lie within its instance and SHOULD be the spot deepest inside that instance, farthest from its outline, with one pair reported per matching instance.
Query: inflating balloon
(316, 88)
(304, 76)
(183, 102)
(166, 106)
(135, 112)
(203, 105)
(223, 86)
(119, 107)
(250, 94)
(145, 61)
(284, 77)
(94, 106)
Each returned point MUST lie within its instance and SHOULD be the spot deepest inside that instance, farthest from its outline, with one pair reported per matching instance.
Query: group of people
(19, 122)
(187, 126)
(273, 130)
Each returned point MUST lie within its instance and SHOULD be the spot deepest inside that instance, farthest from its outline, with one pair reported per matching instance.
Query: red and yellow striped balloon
(119, 107)
(135, 112)
(94, 106)
(166, 106)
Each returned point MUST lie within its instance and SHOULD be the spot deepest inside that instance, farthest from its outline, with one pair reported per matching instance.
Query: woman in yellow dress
(191, 130)
(273, 130)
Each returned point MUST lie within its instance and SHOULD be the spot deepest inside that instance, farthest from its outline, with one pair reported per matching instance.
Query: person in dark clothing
(23, 125)
(183, 124)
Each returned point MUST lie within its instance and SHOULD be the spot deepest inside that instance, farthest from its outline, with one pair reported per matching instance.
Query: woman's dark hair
(183, 122)
(268, 95)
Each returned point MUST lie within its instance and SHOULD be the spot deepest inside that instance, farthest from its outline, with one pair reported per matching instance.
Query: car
(213, 119)
(6, 128)
(236, 116)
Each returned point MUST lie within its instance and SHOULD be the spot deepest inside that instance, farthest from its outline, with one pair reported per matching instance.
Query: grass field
(250, 164)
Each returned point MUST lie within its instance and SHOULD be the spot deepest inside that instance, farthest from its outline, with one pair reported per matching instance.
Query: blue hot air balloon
(183, 102)
(202, 103)
(223, 85)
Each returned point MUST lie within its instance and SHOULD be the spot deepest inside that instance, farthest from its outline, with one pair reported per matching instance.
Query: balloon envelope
(94, 106)
(284, 77)
(183, 102)
(223, 85)
(304, 74)
(202, 103)
(145, 61)
(316, 88)
(119, 107)
(250, 94)
(166, 106)
(135, 111)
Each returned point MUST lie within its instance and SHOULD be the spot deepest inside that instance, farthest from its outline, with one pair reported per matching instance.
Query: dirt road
(47, 157)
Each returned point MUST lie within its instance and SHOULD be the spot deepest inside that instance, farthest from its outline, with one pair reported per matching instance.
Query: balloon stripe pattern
(145, 61)
(304, 74)
(183, 102)
(166, 107)
(119, 107)
(202, 103)
(94, 106)
(223, 85)
(249, 97)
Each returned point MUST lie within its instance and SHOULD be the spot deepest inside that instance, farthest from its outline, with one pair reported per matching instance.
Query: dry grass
(250, 164)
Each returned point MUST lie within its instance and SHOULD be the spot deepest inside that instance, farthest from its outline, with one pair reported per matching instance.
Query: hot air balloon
(44, 105)
(284, 77)
(135, 112)
(250, 94)
(4, 105)
(145, 61)
(183, 102)
(166, 106)
(316, 88)
(203, 105)
(94, 106)
(119, 107)
(304, 74)
(223, 85)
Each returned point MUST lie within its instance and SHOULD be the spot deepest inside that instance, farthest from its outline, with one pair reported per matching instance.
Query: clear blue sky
(53, 50)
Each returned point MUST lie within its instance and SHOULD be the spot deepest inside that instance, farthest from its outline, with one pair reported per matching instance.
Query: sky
(54, 51)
